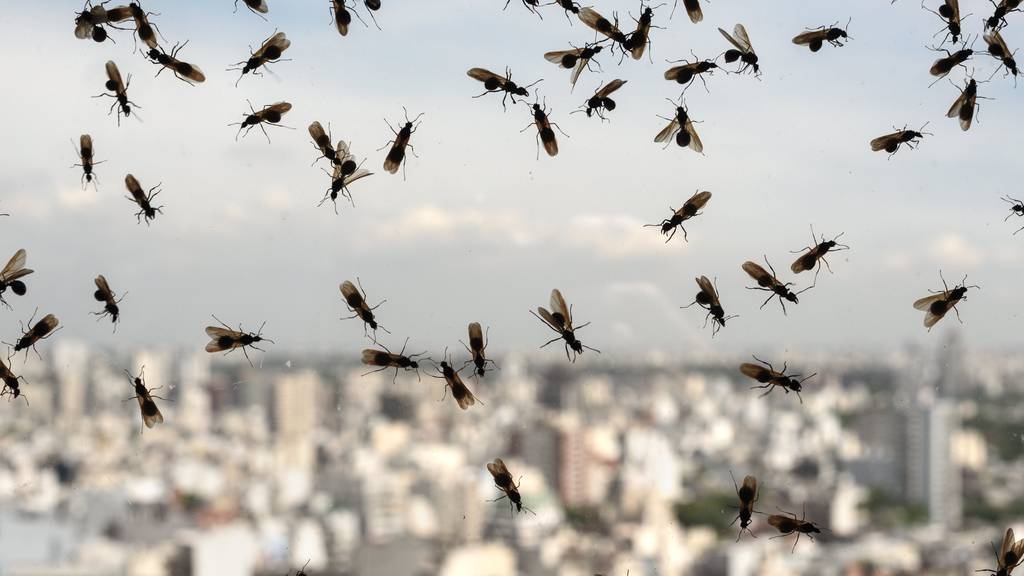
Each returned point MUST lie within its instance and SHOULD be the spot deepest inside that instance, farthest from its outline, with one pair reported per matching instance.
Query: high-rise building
(932, 478)
(70, 366)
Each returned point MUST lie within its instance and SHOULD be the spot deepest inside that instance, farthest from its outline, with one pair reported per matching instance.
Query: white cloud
(953, 249)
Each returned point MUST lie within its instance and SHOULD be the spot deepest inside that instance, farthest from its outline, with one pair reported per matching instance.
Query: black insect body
(226, 339)
(771, 378)
(1016, 209)
(144, 200)
(497, 83)
(270, 51)
(771, 283)
(396, 154)
(385, 359)
(891, 142)
(104, 294)
(151, 415)
(188, 73)
(601, 101)
(119, 90)
(270, 115)
(790, 524)
(817, 37)
(941, 302)
(10, 276)
(688, 210)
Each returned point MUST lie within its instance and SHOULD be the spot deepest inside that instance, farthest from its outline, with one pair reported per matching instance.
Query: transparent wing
(559, 306)
(115, 75)
(741, 35)
(485, 75)
(695, 144)
(708, 288)
(811, 36)
(16, 263)
(609, 88)
(556, 57)
(755, 270)
(927, 301)
(668, 131)
(882, 142)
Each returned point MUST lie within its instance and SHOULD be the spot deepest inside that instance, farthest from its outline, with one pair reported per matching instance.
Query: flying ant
(151, 415)
(545, 134)
(748, 496)
(225, 339)
(104, 294)
(770, 378)
(1016, 209)
(688, 210)
(270, 114)
(940, 303)
(707, 298)
(9, 276)
(603, 26)
(460, 392)
(322, 142)
(943, 66)
(814, 255)
(771, 283)
(638, 40)
(89, 22)
(145, 31)
(12, 383)
(477, 349)
(497, 83)
(342, 16)
(270, 51)
(120, 91)
(40, 331)
(892, 142)
(387, 359)
(1009, 556)
(681, 127)
(345, 172)
(503, 480)
(531, 5)
(570, 7)
(184, 71)
(559, 319)
(1004, 7)
(789, 524)
(689, 70)
(355, 299)
(965, 105)
(143, 199)
(257, 7)
(85, 159)
(601, 101)
(949, 12)
(815, 38)
(997, 49)
(744, 51)
(396, 155)
(577, 59)
(692, 10)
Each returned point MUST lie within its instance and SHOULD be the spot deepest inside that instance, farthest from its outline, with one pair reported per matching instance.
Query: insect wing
(15, 267)
(756, 271)
(926, 302)
(708, 289)
(485, 75)
(114, 75)
(884, 142)
(811, 36)
(476, 337)
(668, 131)
(609, 88)
(756, 371)
(558, 306)
(277, 40)
(557, 56)
(695, 144)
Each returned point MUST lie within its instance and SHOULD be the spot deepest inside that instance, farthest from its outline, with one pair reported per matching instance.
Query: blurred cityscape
(910, 461)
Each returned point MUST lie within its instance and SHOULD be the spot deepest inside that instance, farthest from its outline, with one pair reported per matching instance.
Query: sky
(482, 230)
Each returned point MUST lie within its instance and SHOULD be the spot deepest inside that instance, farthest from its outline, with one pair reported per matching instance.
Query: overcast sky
(480, 229)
